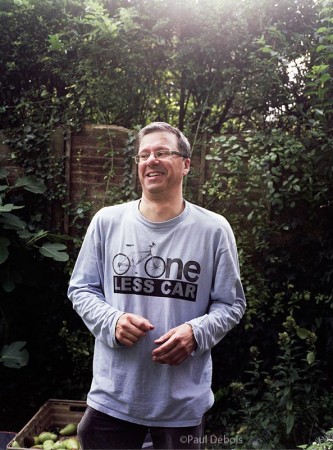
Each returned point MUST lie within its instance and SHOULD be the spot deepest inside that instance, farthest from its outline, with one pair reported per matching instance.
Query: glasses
(159, 154)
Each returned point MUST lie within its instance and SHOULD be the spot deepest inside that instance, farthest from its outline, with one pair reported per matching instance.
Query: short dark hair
(183, 144)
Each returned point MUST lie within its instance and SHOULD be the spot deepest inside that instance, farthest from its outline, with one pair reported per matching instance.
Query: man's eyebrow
(160, 147)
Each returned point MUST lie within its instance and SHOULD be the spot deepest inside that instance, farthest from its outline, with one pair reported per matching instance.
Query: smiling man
(157, 282)
(161, 178)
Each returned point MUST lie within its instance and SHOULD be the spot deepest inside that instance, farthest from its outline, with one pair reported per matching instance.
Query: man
(157, 283)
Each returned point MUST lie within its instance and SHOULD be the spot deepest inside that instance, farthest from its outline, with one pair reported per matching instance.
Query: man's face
(161, 176)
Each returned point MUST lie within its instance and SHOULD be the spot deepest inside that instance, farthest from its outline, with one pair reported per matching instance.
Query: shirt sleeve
(86, 291)
(227, 304)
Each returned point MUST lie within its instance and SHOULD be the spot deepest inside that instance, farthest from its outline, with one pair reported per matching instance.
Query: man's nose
(152, 158)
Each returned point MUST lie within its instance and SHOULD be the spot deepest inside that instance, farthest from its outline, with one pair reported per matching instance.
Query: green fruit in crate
(68, 430)
(46, 436)
(15, 444)
(59, 445)
(48, 444)
(72, 444)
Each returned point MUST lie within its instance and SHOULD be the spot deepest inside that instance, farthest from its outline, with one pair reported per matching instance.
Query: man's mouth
(154, 174)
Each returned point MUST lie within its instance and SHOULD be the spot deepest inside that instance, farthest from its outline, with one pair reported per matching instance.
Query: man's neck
(157, 211)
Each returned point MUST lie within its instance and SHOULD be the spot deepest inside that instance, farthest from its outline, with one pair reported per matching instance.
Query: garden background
(251, 84)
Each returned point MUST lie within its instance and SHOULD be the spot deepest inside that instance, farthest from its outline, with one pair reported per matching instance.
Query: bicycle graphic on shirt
(154, 265)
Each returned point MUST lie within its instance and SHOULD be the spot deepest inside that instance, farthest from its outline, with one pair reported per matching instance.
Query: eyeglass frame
(172, 153)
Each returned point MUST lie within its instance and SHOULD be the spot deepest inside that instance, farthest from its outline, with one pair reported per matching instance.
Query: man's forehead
(158, 139)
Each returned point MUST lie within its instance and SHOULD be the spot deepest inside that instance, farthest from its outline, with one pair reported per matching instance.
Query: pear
(48, 444)
(46, 436)
(68, 430)
(72, 443)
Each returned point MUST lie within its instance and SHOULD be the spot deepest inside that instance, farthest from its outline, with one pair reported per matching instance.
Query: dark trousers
(102, 432)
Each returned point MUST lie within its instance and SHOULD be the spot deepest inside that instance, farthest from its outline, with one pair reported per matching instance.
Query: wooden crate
(53, 414)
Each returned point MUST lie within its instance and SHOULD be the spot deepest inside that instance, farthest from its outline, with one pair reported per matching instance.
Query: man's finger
(130, 328)
(140, 322)
(174, 346)
(162, 339)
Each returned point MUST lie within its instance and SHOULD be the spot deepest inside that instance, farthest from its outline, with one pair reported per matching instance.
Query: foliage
(14, 355)
(290, 404)
(283, 183)
(80, 345)
(22, 231)
(275, 187)
(166, 62)
(323, 442)
(31, 260)
(283, 396)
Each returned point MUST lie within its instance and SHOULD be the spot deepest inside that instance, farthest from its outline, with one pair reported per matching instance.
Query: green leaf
(320, 48)
(289, 404)
(8, 286)
(311, 357)
(307, 388)
(303, 333)
(290, 422)
(319, 112)
(4, 253)
(320, 68)
(325, 77)
(14, 355)
(12, 222)
(322, 30)
(266, 49)
(31, 184)
(54, 251)
(32, 237)
(24, 234)
(3, 173)
(249, 217)
(9, 207)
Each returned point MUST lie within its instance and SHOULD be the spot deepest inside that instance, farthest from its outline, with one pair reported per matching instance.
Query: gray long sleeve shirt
(184, 270)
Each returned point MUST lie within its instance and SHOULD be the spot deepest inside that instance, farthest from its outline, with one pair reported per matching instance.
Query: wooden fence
(95, 166)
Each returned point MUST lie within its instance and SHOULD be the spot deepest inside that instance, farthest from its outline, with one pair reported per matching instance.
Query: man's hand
(131, 327)
(175, 346)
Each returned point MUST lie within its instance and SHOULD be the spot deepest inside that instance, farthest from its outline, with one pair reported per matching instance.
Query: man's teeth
(154, 174)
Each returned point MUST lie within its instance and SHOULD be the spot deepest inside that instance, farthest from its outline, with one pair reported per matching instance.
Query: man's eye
(162, 153)
(144, 156)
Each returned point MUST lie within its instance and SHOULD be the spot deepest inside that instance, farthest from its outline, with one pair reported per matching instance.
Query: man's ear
(187, 163)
